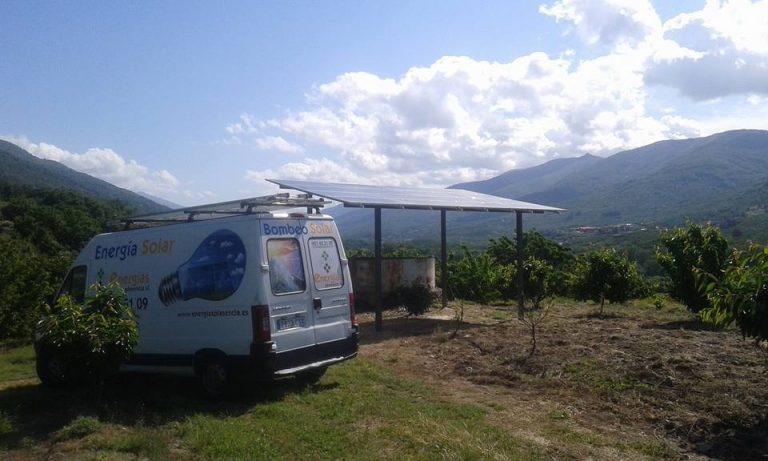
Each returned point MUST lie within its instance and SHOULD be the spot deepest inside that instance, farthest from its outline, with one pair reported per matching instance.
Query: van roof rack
(252, 205)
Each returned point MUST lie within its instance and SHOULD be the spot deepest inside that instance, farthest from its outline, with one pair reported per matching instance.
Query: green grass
(364, 412)
(359, 410)
(592, 374)
(17, 363)
(80, 427)
(142, 442)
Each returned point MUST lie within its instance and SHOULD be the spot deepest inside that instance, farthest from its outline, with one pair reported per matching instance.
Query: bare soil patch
(636, 383)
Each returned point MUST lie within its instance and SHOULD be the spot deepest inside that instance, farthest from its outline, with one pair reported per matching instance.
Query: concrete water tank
(395, 273)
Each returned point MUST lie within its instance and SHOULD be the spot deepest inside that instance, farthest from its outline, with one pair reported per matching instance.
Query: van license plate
(294, 321)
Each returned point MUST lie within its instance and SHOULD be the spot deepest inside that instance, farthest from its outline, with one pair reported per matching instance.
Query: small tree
(474, 277)
(740, 293)
(606, 275)
(532, 317)
(90, 340)
(683, 251)
(537, 281)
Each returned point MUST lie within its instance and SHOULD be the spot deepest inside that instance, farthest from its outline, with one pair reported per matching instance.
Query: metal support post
(377, 267)
(520, 274)
(443, 259)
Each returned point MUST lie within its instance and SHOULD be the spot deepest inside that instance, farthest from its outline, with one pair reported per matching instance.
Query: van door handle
(317, 303)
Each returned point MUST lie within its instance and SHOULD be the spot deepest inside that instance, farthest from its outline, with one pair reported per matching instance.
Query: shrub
(507, 281)
(537, 281)
(606, 275)
(740, 293)
(504, 250)
(416, 298)
(93, 338)
(683, 251)
(474, 278)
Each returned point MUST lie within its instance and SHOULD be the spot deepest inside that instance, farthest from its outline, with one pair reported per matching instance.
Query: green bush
(92, 338)
(504, 250)
(559, 258)
(683, 251)
(40, 232)
(416, 298)
(537, 281)
(507, 281)
(474, 278)
(740, 293)
(606, 275)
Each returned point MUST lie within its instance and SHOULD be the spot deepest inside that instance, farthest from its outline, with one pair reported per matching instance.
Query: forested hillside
(719, 178)
(19, 167)
(41, 231)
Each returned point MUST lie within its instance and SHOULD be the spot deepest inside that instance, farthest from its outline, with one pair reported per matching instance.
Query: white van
(227, 290)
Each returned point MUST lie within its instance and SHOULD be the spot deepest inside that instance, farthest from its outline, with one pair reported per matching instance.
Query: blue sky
(200, 101)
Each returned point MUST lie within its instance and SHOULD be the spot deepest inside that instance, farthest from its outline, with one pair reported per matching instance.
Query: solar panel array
(236, 207)
(419, 198)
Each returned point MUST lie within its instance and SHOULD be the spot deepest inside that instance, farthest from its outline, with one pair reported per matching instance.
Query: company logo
(320, 228)
(121, 252)
(117, 252)
(131, 282)
(285, 229)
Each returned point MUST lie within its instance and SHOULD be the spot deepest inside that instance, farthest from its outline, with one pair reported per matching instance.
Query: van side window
(286, 266)
(326, 263)
(74, 284)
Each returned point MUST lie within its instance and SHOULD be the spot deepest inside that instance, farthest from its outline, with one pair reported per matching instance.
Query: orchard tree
(683, 251)
(606, 275)
(537, 284)
(474, 278)
(85, 340)
(740, 293)
(504, 250)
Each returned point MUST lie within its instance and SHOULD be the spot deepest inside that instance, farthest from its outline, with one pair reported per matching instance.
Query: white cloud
(278, 144)
(104, 164)
(462, 119)
(607, 23)
(722, 50)
(310, 169)
(246, 124)
(436, 124)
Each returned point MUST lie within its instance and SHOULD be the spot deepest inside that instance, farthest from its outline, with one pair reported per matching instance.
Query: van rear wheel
(215, 379)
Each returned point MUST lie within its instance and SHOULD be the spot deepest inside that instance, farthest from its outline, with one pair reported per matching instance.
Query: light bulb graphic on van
(213, 272)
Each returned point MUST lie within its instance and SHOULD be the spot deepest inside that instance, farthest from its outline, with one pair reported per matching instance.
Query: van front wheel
(52, 368)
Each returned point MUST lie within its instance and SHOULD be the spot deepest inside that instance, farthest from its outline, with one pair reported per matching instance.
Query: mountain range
(19, 167)
(721, 178)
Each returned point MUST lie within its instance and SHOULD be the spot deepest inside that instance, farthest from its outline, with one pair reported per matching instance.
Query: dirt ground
(634, 383)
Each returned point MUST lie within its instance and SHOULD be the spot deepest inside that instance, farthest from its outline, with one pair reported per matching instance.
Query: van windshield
(74, 284)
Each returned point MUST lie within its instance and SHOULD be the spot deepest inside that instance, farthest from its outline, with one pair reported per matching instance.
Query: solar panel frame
(251, 205)
(412, 198)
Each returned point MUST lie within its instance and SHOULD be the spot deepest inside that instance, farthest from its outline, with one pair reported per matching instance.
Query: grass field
(636, 384)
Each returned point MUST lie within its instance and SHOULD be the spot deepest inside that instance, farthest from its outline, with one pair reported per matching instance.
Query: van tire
(214, 379)
(52, 367)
